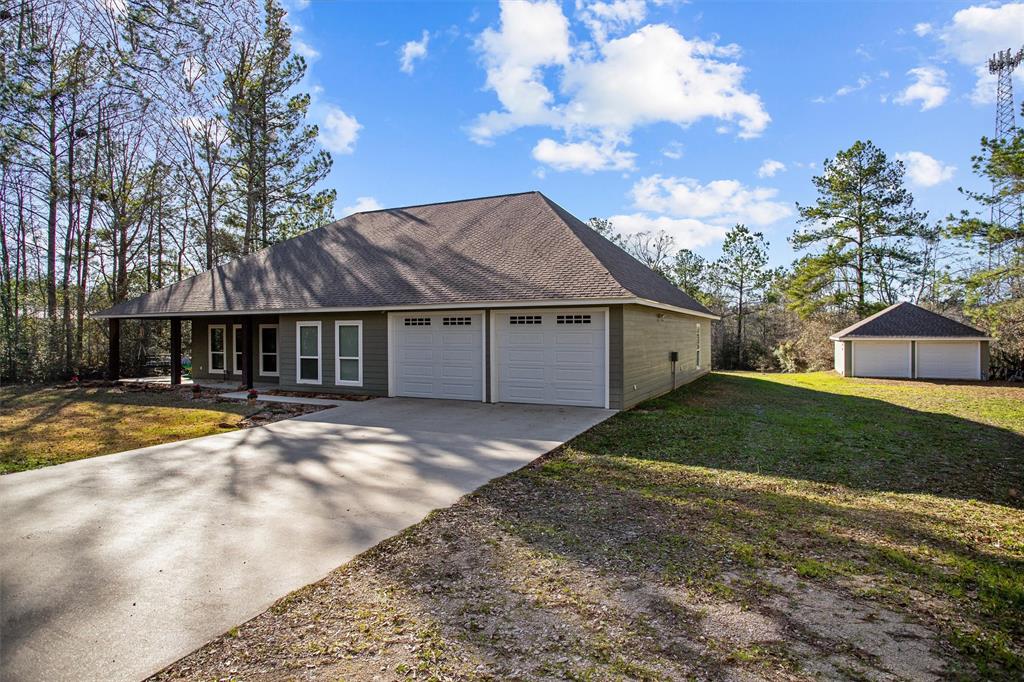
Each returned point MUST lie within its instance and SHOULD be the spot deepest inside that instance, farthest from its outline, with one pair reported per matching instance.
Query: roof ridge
(443, 203)
(638, 269)
(557, 211)
(863, 322)
(909, 308)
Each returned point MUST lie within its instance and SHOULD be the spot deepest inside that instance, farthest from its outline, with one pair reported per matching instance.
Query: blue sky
(686, 117)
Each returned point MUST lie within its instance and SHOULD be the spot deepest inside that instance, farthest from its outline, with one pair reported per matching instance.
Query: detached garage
(905, 341)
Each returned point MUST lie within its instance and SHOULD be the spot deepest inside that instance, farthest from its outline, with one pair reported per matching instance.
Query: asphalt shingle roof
(516, 247)
(908, 320)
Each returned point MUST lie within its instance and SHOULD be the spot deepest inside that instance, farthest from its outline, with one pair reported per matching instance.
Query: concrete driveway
(113, 567)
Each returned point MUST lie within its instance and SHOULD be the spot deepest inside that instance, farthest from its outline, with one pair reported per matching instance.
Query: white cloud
(862, 82)
(582, 156)
(688, 232)
(674, 150)
(339, 131)
(929, 87)
(603, 18)
(651, 75)
(769, 168)
(984, 91)
(924, 170)
(413, 51)
(532, 36)
(307, 51)
(978, 32)
(362, 204)
(655, 75)
(719, 201)
(922, 29)
(697, 214)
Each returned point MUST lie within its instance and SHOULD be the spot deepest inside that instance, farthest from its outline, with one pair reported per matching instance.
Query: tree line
(140, 142)
(862, 246)
(143, 141)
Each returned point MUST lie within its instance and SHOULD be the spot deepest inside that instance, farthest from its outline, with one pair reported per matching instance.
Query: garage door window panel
(307, 347)
(348, 364)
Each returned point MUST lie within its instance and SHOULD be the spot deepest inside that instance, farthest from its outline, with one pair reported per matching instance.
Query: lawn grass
(774, 526)
(41, 426)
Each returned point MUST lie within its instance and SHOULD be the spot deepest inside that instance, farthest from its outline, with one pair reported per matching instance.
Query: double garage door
(934, 359)
(545, 356)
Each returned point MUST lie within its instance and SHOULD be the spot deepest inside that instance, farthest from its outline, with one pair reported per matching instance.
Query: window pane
(217, 361)
(348, 337)
(269, 340)
(269, 363)
(349, 370)
(217, 340)
(309, 368)
(307, 342)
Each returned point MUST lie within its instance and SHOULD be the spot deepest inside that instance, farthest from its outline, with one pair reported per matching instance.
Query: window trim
(698, 346)
(276, 354)
(235, 350)
(338, 324)
(210, 351)
(319, 352)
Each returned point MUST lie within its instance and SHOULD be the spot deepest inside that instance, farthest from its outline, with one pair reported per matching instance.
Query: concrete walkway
(294, 400)
(114, 567)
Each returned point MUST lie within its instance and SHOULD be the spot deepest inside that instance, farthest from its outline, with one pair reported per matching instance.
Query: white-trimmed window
(307, 353)
(348, 353)
(268, 350)
(698, 345)
(216, 347)
(236, 347)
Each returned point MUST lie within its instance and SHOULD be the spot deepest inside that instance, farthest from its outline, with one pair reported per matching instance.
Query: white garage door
(554, 357)
(948, 359)
(438, 355)
(881, 359)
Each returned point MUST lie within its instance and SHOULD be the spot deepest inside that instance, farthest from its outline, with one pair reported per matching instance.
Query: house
(500, 299)
(908, 342)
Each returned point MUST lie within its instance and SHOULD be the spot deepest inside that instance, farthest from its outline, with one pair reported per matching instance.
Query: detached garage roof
(509, 248)
(908, 321)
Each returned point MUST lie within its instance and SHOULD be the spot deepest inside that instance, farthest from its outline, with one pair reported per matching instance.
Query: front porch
(167, 380)
(230, 356)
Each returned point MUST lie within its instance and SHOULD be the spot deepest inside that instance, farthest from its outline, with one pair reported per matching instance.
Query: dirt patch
(462, 597)
(713, 534)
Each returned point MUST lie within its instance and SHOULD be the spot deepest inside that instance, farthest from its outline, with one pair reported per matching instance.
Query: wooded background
(145, 141)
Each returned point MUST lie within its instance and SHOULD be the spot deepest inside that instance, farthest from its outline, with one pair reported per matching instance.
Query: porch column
(175, 351)
(247, 363)
(114, 359)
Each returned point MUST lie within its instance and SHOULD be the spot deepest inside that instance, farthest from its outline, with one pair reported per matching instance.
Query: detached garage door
(881, 359)
(438, 355)
(948, 360)
(554, 357)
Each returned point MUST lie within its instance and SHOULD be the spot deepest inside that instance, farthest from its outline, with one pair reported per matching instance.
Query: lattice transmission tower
(1007, 208)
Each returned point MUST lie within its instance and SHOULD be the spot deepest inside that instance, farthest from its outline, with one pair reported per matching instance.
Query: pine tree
(742, 275)
(994, 287)
(273, 149)
(865, 224)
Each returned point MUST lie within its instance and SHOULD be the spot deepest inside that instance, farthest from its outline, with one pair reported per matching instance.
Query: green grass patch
(41, 426)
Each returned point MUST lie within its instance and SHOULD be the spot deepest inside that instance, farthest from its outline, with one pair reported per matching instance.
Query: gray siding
(201, 358)
(986, 359)
(375, 353)
(648, 336)
(848, 357)
(615, 337)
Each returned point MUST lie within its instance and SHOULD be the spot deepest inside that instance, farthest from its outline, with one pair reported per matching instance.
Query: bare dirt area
(744, 527)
